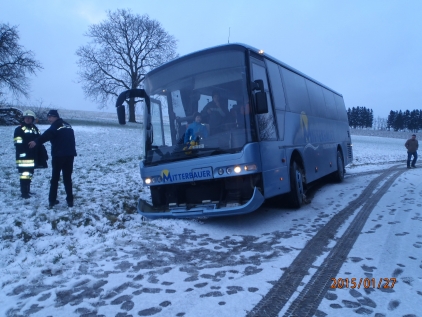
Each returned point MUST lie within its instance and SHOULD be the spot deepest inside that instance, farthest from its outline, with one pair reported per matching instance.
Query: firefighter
(25, 157)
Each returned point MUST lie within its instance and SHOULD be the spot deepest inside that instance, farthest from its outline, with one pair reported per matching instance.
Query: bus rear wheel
(296, 186)
(338, 175)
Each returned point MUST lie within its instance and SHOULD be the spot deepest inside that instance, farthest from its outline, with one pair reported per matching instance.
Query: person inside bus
(196, 130)
(215, 114)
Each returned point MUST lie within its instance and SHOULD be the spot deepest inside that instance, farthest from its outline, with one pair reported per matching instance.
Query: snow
(100, 258)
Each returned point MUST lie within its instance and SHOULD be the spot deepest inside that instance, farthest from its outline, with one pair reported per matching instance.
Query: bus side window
(297, 94)
(341, 108)
(330, 104)
(277, 91)
(276, 84)
(266, 126)
(316, 98)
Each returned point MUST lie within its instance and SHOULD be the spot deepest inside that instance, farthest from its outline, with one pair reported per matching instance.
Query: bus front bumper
(205, 210)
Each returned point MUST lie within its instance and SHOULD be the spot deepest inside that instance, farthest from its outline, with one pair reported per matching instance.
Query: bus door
(273, 169)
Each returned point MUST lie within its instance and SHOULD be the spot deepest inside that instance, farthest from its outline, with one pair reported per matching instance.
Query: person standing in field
(27, 159)
(412, 150)
(63, 152)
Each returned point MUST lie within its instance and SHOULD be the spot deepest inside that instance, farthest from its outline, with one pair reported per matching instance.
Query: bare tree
(123, 49)
(15, 62)
(380, 123)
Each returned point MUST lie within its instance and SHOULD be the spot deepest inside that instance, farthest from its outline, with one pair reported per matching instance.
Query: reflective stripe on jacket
(62, 139)
(25, 157)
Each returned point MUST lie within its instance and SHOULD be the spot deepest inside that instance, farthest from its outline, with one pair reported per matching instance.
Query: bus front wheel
(338, 175)
(296, 186)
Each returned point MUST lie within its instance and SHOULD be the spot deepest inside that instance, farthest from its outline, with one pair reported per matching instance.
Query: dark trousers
(409, 156)
(65, 164)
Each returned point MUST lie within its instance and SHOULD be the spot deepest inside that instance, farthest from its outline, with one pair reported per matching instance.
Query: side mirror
(121, 114)
(131, 93)
(255, 85)
(260, 97)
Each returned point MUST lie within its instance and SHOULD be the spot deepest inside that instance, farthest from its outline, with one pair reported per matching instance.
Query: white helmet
(29, 113)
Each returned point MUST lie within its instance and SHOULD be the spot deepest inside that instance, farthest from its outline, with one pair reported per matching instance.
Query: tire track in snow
(310, 297)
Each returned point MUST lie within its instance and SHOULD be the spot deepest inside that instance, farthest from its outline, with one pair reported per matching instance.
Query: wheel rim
(299, 185)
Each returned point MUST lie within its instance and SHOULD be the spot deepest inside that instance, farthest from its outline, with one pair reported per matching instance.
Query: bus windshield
(199, 107)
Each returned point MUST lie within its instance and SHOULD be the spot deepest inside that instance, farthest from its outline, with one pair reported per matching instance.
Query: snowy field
(100, 259)
(374, 151)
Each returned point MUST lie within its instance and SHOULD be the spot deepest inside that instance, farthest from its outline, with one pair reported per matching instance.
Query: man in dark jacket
(412, 148)
(63, 152)
(26, 157)
(215, 113)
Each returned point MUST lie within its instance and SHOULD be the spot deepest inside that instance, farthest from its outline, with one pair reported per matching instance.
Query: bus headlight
(228, 170)
(220, 171)
(148, 180)
(237, 169)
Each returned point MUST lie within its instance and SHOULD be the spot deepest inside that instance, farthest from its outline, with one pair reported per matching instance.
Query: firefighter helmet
(29, 113)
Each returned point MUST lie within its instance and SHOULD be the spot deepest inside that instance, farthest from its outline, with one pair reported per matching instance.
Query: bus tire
(296, 186)
(338, 175)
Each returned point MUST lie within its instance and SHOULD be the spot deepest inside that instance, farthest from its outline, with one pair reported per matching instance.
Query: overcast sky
(369, 51)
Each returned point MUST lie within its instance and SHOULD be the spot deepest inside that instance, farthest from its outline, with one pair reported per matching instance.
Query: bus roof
(242, 47)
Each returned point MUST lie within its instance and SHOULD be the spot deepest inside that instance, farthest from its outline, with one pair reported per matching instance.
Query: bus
(266, 130)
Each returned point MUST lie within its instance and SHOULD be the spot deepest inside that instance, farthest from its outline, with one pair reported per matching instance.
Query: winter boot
(24, 188)
(51, 204)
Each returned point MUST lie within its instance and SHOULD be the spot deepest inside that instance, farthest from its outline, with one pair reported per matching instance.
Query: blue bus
(228, 127)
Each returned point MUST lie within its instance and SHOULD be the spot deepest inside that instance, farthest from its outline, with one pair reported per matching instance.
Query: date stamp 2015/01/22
(382, 282)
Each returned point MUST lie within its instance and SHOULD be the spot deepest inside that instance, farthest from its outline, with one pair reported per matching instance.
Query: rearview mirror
(131, 93)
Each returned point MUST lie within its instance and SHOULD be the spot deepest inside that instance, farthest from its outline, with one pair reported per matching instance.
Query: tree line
(405, 120)
(360, 117)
